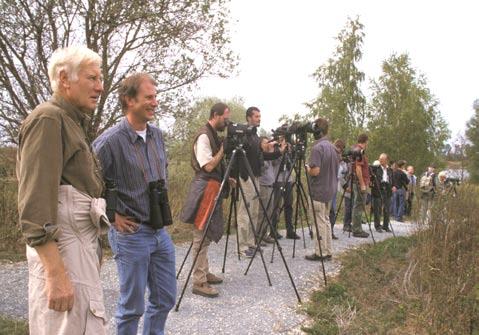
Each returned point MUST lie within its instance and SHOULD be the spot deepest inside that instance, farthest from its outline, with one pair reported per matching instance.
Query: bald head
(383, 159)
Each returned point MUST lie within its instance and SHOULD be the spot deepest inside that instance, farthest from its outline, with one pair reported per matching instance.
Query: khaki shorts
(79, 223)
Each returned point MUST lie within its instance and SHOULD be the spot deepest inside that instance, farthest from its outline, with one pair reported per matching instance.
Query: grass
(424, 284)
(363, 299)
(13, 327)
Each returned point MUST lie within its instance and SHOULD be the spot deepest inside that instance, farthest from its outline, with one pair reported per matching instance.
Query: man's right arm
(359, 174)
(204, 154)
(39, 170)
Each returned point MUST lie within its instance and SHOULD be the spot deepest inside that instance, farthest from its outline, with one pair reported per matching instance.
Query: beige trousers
(78, 218)
(262, 223)
(321, 210)
(201, 267)
(245, 231)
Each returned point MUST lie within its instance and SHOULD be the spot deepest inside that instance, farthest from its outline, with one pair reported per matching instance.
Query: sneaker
(248, 253)
(213, 279)
(268, 239)
(278, 235)
(205, 290)
(361, 234)
(314, 257)
(293, 236)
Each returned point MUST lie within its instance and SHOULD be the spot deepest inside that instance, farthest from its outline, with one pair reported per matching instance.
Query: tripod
(237, 153)
(353, 180)
(301, 208)
(300, 158)
(295, 165)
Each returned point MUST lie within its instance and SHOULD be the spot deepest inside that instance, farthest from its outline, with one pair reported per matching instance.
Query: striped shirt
(132, 163)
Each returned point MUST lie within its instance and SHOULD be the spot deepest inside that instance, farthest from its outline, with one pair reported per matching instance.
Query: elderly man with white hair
(61, 212)
(381, 192)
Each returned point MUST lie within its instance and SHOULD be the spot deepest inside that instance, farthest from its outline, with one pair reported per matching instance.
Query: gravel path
(247, 304)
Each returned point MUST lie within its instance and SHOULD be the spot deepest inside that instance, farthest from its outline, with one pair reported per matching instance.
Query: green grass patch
(364, 298)
(13, 327)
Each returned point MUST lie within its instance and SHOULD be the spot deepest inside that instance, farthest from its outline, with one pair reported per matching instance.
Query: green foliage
(362, 300)
(341, 100)
(13, 327)
(405, 120)
(472, 151)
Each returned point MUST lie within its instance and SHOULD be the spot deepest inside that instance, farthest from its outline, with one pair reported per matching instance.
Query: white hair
(70, 59)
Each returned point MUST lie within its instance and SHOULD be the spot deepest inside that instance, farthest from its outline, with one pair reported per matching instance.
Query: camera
(160, 212)
(235, 136)
(453, 181)
(352, 155)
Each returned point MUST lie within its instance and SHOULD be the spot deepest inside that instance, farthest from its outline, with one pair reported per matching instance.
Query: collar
(77, 114)
(131, 133)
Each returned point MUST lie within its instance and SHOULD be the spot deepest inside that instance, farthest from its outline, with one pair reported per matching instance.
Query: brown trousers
(202, 266)
(79, 222)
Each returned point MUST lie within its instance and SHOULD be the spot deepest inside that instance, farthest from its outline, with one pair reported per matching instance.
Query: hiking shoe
(213, 279)
(293, 236)
(205, 290)
(361, 234)
(386, 229)
(248, 253)
(268, 239)
(378, 229)
(315, 257)
(278, 235)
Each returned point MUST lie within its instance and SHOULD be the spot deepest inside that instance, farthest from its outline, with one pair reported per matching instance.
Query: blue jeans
(399, 203)
(144, 258)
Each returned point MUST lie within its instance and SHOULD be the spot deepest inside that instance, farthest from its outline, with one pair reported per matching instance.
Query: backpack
(426, 183)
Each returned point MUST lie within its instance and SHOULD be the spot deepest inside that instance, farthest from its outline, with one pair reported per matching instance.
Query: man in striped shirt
(132, 154)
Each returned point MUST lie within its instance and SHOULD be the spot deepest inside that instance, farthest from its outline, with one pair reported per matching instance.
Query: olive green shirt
(53, 150)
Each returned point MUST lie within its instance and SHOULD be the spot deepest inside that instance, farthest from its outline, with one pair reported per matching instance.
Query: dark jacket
(377, 185)
(400, 179)
(255, 156)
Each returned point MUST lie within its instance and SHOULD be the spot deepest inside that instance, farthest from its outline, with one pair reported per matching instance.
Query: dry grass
(424, 284)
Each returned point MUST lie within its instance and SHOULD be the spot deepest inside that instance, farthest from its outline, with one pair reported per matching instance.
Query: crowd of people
(62, 226)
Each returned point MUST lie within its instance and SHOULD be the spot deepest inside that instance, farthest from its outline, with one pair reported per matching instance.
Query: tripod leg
(305, 211)
(296, 215)
(228, 230)
(207, 226)
(257, 241)
(368, 220)
(250, 173)
(235, 208)
(184, 260)
(305, 208)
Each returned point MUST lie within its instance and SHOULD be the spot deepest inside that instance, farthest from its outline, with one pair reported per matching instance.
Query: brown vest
(215, 144)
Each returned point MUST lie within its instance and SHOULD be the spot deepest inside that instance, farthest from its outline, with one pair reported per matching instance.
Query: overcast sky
(281, 43)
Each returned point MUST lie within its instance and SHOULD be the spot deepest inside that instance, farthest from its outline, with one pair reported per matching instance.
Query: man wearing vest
(206, 161)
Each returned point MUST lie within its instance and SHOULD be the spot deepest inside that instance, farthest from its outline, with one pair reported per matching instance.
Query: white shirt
(385, 174)
(203, 151)
(142, 133)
